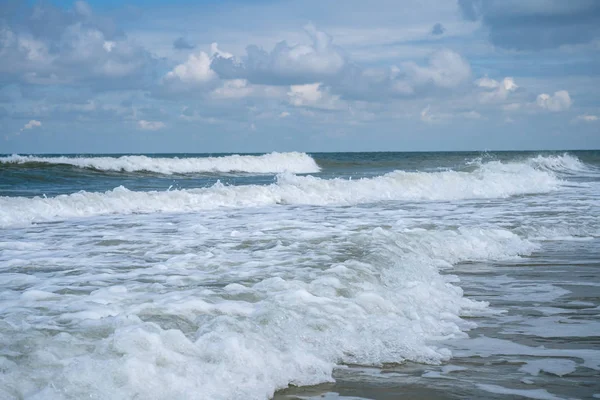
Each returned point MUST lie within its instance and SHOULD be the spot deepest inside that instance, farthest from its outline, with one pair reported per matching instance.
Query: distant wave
(489, 180)
(565, 163)
(294, 162)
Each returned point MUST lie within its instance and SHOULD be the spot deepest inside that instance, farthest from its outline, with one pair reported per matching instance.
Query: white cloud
(108, 46)
(496, 91)
(586, 118)
(233, 89)
(215, 51)
(285, 64)
(284, 114)
(313, 95)
(560, 101)
(196, 70)
(150, 125)
(30, 125)
(70, 46)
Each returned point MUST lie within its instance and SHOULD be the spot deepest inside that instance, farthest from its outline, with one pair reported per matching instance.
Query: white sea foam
(554, 366)
(539, 394)
(491, 180)
(293, 162)
(300, 296)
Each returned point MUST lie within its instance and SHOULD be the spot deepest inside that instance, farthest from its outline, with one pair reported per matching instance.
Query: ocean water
(299, 276)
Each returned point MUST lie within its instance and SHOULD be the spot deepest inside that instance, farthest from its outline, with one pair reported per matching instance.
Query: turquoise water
(292, 275)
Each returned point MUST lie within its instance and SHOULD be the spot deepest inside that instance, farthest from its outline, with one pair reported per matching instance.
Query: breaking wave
(490, 180)
(294, 162)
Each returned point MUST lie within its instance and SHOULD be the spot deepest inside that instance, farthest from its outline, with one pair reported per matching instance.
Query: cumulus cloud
(495, 91)
(191, 74)
(197, 72)
(445, 70)
(150, 125)
(535, 25)
(314, 96)
(49, 45)
(285, 64)
(323, 62)
(560, 101)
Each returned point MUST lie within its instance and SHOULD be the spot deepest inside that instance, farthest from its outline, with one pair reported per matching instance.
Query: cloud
(30, 125)
(560, 101)
(535, 25)
(52, 46)
(285, 64)
(586, 118)
(191, 74)
(446, 69)
(323, 62)
(150, 125)
(314, 96)
(197, 73)
(438, 29)
(182, 44)
(233, 89)
(495, 91)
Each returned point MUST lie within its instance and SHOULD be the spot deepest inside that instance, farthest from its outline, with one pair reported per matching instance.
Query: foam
(293, 162)
(492, 180)
(539, 394)
(555, 366)
(486, 347)
(292, 302)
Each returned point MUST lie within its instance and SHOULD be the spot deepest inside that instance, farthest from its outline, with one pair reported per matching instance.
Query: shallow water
(432, 275)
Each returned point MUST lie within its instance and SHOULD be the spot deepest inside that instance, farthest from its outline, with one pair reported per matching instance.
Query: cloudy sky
(310, 75)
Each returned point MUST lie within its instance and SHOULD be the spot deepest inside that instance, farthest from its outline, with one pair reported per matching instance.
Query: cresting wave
(489, 180)
(294, 162)
(565, 164)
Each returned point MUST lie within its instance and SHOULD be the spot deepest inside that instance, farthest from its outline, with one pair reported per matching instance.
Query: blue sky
(271, 75)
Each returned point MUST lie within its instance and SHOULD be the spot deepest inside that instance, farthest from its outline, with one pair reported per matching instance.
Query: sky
(287, 75)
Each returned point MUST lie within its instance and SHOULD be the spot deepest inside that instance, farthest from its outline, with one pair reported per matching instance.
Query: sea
(459, 275)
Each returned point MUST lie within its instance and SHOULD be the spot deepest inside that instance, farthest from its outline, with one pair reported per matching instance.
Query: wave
(249, 339)
(294, 162)
(490, 180)
(565, 163)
